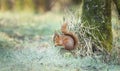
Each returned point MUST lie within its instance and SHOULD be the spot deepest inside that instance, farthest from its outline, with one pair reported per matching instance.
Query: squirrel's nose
(55, 45)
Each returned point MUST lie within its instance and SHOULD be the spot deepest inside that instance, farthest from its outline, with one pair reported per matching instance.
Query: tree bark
(98, 13)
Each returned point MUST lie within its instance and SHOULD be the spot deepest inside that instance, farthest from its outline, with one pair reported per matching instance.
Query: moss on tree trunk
(98, 13)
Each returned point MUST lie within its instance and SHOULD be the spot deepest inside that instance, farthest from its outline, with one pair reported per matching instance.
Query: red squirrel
(67, 39)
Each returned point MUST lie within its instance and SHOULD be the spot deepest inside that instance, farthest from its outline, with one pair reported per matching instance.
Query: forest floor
(26, 45)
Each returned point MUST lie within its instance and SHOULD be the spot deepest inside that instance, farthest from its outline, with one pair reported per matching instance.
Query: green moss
(98, 13)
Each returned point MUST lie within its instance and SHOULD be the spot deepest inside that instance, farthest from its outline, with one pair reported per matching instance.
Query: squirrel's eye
(57, 36)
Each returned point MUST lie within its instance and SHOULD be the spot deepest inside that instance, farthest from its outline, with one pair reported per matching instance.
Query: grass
(26, 25)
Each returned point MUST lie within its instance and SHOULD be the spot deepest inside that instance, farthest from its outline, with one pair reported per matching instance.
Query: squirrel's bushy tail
(65, 31)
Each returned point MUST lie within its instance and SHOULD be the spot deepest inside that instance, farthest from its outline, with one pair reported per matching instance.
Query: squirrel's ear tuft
(56, 34)
(65, 24)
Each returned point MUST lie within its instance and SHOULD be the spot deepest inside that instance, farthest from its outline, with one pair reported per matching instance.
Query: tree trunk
(98, 13)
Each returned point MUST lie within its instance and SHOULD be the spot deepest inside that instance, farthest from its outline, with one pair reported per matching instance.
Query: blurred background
(35, 13)
(26, 31)
(36, 6)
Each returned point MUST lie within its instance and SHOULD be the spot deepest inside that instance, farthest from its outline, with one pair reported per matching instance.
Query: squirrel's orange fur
(67, 39)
